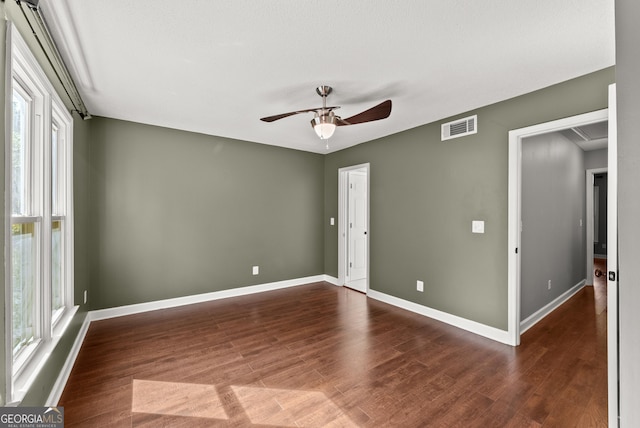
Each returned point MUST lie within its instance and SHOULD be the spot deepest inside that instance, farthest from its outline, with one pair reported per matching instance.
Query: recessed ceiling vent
(460, 128)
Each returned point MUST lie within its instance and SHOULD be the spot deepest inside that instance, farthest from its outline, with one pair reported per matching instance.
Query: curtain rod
(57, 63)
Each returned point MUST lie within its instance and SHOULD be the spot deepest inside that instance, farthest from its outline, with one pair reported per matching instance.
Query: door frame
(591, 219)
(514, 207)
(613, 345)
(343, 214)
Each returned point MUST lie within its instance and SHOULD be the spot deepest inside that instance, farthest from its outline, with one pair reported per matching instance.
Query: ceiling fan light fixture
(324, 120)
(324, 125)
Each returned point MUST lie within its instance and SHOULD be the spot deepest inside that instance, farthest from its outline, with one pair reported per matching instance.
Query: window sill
(27, 374)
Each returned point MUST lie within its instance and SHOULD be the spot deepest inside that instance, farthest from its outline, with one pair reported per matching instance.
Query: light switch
(477, 226)
(332, 221)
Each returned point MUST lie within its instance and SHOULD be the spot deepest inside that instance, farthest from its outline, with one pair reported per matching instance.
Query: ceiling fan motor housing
(324, 90)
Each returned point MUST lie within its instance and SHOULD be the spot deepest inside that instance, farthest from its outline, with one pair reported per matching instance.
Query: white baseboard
(484, 330)
(102, 314)
(465, 324)
(550, 307)
(331, 280)
(61, 382)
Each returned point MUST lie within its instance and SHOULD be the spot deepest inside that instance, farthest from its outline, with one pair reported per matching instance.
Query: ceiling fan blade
(283, 115)
(341, 122)
(381, 111)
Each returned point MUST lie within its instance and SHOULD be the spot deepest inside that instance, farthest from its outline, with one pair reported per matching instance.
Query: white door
(357, 231)
(612, 262)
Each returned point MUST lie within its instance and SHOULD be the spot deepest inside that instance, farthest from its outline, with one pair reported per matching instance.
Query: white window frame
(64, 122)
(23, 68)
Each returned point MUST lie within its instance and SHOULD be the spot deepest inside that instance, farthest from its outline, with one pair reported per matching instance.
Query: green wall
(179, 213)
(425, 193)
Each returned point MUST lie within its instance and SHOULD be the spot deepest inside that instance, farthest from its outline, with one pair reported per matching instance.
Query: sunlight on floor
(264, 406)
(289, 407)
(177, 399)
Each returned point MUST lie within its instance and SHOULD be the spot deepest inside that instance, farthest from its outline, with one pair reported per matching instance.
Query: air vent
(459, 128)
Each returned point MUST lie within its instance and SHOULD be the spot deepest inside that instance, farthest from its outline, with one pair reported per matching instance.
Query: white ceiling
(216, 67)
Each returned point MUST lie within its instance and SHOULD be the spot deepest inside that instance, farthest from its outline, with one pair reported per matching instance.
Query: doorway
(514, 227)
(353, 227)
(515, 210)
(596, 218)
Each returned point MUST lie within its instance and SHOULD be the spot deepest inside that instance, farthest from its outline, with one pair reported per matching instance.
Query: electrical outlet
(549, 285)
(420, 285)
(256, 270)
(85, 297)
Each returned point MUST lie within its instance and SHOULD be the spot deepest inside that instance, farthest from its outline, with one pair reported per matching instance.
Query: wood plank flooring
(320, 355)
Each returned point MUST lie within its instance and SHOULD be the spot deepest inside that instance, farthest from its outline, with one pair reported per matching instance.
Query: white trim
(59, 19)
(63, 377)
(456, 321)
(23, 219)
(613, 341)
(550, 307)
(35, 365)
(514, 214)
(342, 244)
(591, 220)
(453, 320)
(5, 394)
(513, 239)
(342, 220)
(119, 311)
(23, 69)
(331, 280)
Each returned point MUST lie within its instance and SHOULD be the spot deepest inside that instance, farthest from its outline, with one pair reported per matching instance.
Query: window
(39, 203)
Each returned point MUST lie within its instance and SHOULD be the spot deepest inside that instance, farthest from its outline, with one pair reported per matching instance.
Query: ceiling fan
(324, 121)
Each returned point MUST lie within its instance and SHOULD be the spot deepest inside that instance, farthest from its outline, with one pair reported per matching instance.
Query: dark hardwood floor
(320, 355)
